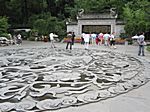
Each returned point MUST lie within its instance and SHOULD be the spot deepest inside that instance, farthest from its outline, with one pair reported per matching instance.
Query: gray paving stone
(38, 78)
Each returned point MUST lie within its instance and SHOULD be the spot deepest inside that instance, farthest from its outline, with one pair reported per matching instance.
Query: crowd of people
(94, 39)
(98, 39)
(105, 39)
(15, 39)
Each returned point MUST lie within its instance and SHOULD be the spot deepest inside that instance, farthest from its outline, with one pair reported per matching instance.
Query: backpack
(69, 37)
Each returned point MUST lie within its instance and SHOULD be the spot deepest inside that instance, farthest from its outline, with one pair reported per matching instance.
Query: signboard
(96, 28)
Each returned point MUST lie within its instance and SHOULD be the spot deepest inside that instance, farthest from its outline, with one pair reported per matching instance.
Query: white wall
(72, 28)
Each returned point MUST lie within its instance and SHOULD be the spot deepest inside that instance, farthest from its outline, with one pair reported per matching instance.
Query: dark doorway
(96, 28)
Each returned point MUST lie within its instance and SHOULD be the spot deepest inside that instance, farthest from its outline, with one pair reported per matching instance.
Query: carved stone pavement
(45, 79)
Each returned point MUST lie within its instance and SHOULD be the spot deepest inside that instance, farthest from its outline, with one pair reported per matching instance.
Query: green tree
(25, 13)
(3, 26)
(136, 17)
(45, 24)
(40, 26)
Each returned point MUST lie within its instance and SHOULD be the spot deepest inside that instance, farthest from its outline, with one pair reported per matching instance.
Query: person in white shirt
(86, 40)
(112, 40)
(141, 43)
(19, 39)
(51, 36)
(82, 39)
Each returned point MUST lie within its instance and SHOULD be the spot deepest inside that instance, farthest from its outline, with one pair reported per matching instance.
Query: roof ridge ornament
(113, 12)
(80, 12)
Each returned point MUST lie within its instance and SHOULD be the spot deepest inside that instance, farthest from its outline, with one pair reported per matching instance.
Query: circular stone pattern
(41, 79)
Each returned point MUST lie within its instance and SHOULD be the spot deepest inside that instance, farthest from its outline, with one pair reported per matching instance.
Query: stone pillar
(79, 29)
(111, 28)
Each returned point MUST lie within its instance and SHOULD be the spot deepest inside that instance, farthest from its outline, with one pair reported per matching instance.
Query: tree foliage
(50, 15)
(136, 17)
(3, 26)
(45, 23)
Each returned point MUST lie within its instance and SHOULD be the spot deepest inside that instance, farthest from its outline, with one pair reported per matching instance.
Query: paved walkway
(137, 100)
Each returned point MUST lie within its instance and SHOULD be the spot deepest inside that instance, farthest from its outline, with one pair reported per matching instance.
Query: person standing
(106, 39)
(15, 39)
(86, 40)
(93, 36)
(69, 40)
(19, 39)
(100, 37)
(112, 40)
(10, 38)
(141, 43)
(82, 39)
(73, 37)
(51, 36)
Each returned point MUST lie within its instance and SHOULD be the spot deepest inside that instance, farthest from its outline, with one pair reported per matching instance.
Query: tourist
(112, 40)
(69, 40)
(15, 39)
(90, 38)
(73, 37)
(86, 40)
(19, 39)
(97, 40)
(51, 37)
(100, 37)
(141, 43)
(10, 38)
(82, 39)
(93, 36)
(106, 39)
(45, 39)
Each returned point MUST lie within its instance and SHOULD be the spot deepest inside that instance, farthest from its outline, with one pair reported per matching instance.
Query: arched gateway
(96, 23)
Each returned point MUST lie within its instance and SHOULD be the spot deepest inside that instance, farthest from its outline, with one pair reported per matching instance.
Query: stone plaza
(37, 78)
